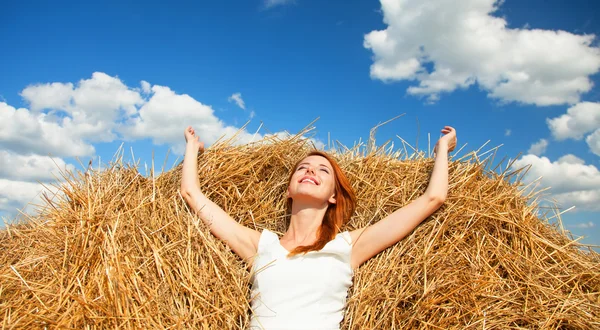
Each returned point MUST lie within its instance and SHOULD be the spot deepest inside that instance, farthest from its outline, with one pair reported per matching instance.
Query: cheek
(331, 185)
(290, 187)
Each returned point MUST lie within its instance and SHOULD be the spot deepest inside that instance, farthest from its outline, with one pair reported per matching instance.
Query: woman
(301, 279)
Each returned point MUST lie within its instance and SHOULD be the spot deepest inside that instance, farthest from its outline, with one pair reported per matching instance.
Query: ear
(287, 193)
(332, 200)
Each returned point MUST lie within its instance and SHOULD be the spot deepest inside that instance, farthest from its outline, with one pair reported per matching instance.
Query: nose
(310, 169)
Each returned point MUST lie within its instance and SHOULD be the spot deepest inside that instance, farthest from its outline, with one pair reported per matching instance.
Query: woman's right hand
(192, 139)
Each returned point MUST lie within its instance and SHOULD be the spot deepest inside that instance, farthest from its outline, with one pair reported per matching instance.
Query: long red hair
(336, 215)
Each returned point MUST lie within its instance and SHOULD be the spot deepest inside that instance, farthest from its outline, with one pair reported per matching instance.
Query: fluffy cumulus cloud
(579, 120)
(31, 167)
(445, 45)
(571, 181)
(593, 141)
(165, 114)
(25, 131)
(91, 110)
(538, 148)
(16, 194)
(66, 119)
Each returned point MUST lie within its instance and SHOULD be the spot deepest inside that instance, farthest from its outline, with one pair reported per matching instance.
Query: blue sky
(79, 78)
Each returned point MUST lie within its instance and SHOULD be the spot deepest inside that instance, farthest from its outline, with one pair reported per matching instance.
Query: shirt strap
(266, 239)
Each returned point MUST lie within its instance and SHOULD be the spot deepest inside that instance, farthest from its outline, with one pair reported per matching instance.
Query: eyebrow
(306, 163)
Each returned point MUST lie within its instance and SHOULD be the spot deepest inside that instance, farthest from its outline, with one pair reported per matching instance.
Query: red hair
(336, 215)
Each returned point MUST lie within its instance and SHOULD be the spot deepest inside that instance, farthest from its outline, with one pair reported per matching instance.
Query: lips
(308, 179)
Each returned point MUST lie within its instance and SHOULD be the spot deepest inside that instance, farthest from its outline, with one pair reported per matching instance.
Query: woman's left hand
(448, 140)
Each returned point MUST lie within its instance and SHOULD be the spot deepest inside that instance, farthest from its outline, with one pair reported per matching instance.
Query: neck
(305, 222)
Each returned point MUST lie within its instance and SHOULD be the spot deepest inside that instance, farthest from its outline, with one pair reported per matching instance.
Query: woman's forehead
(316, 160)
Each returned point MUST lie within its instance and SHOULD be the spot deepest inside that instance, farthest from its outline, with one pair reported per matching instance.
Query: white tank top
(302, 292)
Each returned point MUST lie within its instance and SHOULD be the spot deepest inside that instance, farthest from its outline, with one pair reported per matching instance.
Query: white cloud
(572, 182)
(579, 120)
(274, 3)
(98, 97)
(146, 87)
(283, 135)
(538, 148)
(17, 175)
(66, 119)
(48, 96)
(31, 167)
(94, 107)
(584, 225)
(508, 132)
(237, 98)
(588, 200)
(18, 194)
(570, 159)
(465, 45)
(165, 115)
(593, 141)
(24, 131)
(318, 144)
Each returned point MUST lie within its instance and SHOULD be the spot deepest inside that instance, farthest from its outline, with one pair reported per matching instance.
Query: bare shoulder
(355, 234)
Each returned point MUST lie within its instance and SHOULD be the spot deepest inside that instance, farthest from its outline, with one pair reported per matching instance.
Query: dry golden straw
(119, 250)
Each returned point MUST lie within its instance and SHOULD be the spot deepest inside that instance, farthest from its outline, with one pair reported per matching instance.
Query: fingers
(190, 130)
(190, 136)
(447, 130)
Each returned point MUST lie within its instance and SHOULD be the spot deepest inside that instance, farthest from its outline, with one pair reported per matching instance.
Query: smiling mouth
(309, 180)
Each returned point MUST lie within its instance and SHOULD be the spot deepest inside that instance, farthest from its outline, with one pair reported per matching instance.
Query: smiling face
(313, 180)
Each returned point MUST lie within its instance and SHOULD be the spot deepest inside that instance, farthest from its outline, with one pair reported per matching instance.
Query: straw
(115, 249)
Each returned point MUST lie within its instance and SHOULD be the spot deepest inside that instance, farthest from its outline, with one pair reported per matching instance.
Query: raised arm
(242, 240)
(371, 240)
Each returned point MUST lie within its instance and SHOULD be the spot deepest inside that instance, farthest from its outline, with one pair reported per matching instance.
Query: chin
(308, 197)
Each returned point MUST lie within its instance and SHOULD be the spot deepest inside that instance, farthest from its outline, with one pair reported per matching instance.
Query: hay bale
(120, 250)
